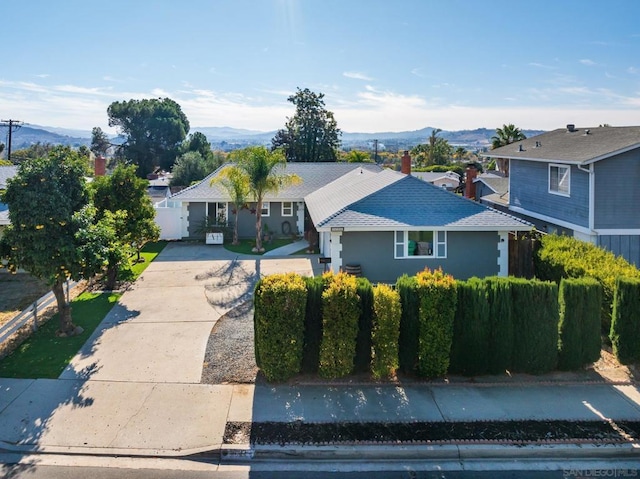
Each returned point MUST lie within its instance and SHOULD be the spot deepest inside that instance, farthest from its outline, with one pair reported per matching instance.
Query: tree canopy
(437, 151)
(312, 133)
(99, 142)
(505, 136)
(196, 161)
(154, 131)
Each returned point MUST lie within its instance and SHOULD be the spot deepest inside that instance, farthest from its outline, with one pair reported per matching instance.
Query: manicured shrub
(501, 331)
(386, 331)
(313, 325)
(470, 347)
(625, 326)
(567, 257)
(407, 288)
(363, 341)
(438, 299)
(280, 304)
(340, 314)
(579, 340)
(535, 321)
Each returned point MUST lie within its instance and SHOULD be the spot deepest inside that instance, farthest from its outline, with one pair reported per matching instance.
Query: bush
(365, 322)
(470, 347)
(567, 257)
(340, 314)
(313, 325)
(501, 332)
(535, 321)
(579, 340)
(386, 331)
(407, 288)
(438, 298)
(280, 303)
(625, 326)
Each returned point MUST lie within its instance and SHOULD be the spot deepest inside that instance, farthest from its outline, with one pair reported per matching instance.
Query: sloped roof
(498, 184)
(313, 175)
(7, 172)
(391, 200)
(581, 146)
(432, 176)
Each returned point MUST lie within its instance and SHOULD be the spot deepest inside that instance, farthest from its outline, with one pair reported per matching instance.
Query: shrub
(340, 314)
(363, 341)
(535, 321)
(313, 325)
(579, 340)
(386, 331)
(470, 347)
(438, 298)
(501, 333)
(567, 257)
(407, 288)
(625, 326)
(280, 303)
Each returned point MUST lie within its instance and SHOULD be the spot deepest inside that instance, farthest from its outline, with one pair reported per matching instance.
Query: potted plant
(213, 230)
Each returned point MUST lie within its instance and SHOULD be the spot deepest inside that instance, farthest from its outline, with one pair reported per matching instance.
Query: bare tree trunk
(259, 247)
(112, 276)
(67, 328)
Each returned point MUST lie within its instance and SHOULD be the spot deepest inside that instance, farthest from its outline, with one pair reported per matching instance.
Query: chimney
(100, 166)
(469, 186)
(405, 166)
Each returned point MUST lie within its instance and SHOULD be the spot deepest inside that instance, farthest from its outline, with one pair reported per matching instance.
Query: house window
(217, 212)
(559, 179)
(266, 208)
(287, 208)
(420, 244)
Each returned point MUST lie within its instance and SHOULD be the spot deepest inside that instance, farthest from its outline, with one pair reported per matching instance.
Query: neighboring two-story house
(579, 181)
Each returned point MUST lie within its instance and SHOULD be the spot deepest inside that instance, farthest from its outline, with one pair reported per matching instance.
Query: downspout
(592, 194)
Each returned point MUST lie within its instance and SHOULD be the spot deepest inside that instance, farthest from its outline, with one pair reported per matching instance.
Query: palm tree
(264, 172)
(433, 140)
(236, 182)
(505, 136)
(460, 153)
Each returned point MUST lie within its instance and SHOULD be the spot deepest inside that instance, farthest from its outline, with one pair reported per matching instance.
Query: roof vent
(587, 132)
(538, 144)
(520, 148)
(571, 127)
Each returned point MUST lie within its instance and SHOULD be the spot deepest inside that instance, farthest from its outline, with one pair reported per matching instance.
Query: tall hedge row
(501, 332)
(313, 324)
(279, 315)
(407, 288)
(579, 340)
(438, 300)
(625, 327)
(363, 341)
(340, 315)
(385, 331)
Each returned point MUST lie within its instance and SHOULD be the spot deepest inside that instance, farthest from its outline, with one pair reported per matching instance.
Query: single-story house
(492, 189)
(449, 179)
(387, 223)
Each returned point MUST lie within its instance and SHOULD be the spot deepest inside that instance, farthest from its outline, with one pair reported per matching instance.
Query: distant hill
(28, 135)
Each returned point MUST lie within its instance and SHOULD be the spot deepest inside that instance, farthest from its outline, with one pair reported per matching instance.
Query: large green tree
(265, 173)
(312, 133)
(124, 191)
(505, 136)
(154, 131)
(48, 203)
(192, 166)
(99, 142)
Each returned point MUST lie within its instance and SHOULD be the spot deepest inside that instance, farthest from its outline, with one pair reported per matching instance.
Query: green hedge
(279, 315)
(407, 288)
(567, 257)
(438, 299)
(501, 332)
(340, 315)
(579, 340)
(365, 323)
(313, 325)
(471, 329)
(386, 331)
(625, 326)
(535, 322)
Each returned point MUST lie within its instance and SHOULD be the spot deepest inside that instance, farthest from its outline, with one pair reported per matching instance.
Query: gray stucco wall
(627, 246)
(247, 224)
(468, 254)
(530, 190)
(617, 192)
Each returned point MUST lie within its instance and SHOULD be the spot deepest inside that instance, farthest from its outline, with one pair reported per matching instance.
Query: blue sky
(382, 65)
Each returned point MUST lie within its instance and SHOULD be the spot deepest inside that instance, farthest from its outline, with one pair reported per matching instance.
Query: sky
(382, 65)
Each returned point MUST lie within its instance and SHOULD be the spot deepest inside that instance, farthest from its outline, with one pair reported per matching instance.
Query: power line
(13, 126)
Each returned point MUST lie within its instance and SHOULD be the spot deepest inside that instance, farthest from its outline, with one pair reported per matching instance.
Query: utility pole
(375, 144)
(13, 125)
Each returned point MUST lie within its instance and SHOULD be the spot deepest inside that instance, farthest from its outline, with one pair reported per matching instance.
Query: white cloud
(633, 70)
(357, 76)
(541, 65)
(587, 62)
(43, 75)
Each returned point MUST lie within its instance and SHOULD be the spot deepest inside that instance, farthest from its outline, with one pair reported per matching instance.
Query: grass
(246, 246)
(44, 355)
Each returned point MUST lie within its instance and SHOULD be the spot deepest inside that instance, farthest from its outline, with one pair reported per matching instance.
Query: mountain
(28, 135)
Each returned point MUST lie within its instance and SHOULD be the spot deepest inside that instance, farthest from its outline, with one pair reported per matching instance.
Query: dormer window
(560, 179)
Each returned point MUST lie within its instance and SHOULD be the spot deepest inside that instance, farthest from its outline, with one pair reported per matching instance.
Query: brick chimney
(405, 166)
(469, 186)
(100, 166)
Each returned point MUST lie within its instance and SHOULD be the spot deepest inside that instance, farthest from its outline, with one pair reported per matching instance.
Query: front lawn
(246, 246)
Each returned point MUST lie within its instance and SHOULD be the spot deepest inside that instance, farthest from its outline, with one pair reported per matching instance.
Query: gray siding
(617, 194)
(530, 190)
(247, 225)
(627, 246)
(468, 254)
(197, 214)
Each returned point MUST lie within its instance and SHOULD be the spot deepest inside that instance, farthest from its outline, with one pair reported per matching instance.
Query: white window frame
(288, 208)
(219, 206)
(401, 241)
(266, 209)
(566, 178)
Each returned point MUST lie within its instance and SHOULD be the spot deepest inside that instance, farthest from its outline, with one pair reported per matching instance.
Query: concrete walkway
(133, 389)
